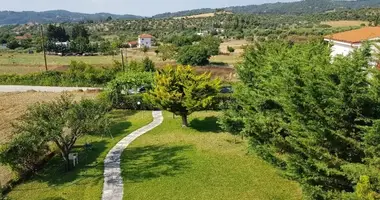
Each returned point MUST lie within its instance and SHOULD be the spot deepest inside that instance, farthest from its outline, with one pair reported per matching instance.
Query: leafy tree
(61, 122)
(167, 51)
(211, 44)
(80, 31)
(13, 44)
(57, 33)
(193, 55)
(181, 91)
(80, 45)
(317, 120)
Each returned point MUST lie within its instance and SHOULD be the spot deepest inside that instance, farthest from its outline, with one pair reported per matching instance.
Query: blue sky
(137, 7)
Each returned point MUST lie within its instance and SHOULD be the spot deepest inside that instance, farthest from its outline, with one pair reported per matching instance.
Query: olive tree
(61, 122)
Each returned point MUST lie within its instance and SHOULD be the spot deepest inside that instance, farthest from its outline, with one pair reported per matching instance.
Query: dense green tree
(317, 120)
(181, 91)
(80, 31)
(211, 44)
(13, 44)
(57, 33)
(193, 55)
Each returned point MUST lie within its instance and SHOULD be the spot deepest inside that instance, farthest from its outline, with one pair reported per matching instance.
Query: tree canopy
(181, 91)
(318, 121)
(60, 122)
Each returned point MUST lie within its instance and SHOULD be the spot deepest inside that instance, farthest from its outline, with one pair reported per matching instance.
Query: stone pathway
(113, 182)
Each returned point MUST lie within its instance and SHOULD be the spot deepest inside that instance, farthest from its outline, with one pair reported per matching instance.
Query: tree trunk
(66, 159)
(184, 120)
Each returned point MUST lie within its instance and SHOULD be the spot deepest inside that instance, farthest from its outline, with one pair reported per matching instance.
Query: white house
(145, 40)
(344, 43)
(64, 44)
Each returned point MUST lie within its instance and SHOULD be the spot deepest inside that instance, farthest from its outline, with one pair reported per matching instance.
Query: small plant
(145, 49)
(230, 49)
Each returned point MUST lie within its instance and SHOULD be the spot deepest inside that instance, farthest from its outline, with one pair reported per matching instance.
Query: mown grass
(200, 162)
(86, 180)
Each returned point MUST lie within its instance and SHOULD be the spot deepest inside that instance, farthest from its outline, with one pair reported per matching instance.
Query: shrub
(117, 90)
(193, 55)
(230, 49)
(148, 65)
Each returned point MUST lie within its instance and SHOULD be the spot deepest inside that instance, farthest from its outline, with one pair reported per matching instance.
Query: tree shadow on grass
(145, 163)
(208, 124)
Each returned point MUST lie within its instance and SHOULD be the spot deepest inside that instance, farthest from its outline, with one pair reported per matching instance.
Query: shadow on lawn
(208, 124)
(90, 166)
(145, 163)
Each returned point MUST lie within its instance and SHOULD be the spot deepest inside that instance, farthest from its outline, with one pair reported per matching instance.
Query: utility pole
(122, 58)
(43, 46)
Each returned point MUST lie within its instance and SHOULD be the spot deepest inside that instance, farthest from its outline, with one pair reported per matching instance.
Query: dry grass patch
(344, 23)
(202, 15)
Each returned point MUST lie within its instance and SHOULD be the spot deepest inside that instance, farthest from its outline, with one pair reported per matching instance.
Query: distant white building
(145, 40)
(65, 44)
(346, 42)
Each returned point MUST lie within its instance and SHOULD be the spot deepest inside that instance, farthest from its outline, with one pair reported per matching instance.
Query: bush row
(78, 74)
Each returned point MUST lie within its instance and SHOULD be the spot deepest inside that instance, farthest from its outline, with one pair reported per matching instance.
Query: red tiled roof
(145, 36)
(356, 36)
(132, 42)
(24, 37)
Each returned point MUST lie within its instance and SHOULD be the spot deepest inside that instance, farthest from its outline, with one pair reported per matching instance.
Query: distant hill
(299, 7)
(55, 16)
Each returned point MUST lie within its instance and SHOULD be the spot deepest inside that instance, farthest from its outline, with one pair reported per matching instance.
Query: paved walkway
(25, 88)
(113, 182)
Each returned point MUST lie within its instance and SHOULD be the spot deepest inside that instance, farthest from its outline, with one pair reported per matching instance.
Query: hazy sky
(137, 7)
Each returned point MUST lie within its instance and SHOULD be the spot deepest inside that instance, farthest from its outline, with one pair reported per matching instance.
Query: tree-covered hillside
(299, 7)
(55, 16)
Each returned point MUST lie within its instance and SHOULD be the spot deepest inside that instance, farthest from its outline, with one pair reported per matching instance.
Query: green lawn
(86, 181)
(201, 162)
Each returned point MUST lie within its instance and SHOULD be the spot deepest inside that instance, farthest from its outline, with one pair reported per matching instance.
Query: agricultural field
(345, 23)
(202, 15)
(13, 105)
(22, 63)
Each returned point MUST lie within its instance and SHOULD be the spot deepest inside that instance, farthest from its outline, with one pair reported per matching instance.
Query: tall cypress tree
(317, 120)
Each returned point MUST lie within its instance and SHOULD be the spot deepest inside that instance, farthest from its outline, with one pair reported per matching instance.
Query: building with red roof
(145, 40)
(346, 42)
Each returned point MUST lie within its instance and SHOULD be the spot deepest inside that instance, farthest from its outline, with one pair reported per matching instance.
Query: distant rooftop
(145, 36)
(356, 36)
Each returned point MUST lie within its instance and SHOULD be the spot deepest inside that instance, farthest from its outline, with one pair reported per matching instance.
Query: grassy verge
(86, 180)
(198, 163)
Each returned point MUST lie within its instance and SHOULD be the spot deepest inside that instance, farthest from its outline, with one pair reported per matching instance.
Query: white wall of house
(342, 48)
(145, 42)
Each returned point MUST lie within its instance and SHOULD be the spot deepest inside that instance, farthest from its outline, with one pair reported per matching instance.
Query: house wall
(145, 42)
(342, 48)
